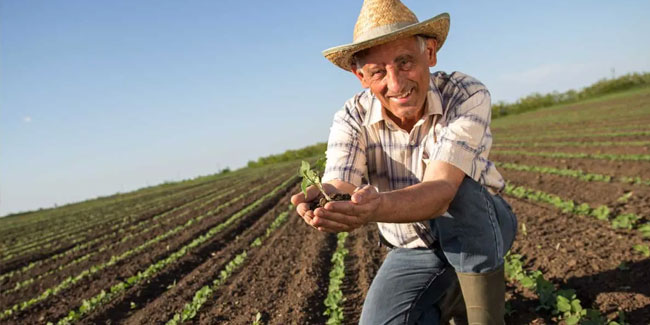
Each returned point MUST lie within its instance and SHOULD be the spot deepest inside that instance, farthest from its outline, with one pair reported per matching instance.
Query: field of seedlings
(228, 248)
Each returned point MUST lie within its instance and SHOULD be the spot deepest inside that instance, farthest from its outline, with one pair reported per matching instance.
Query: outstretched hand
(339, 216)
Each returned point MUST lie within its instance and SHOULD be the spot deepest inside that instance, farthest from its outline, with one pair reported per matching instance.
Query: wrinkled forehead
(386, 51)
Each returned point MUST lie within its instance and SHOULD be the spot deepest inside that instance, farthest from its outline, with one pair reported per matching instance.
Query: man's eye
(406, 64)
(377, 74)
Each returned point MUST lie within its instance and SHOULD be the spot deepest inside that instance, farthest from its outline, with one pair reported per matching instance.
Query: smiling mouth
(403, 96)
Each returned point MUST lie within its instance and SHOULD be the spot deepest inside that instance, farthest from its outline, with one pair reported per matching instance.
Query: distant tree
(602, 87)
(289, 155)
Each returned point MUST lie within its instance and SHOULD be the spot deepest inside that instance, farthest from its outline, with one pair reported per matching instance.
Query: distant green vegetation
(289, 155)
(602, 87)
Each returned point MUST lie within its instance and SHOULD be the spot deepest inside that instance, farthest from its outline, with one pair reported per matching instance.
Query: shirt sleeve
(461, 139)
(346, 147)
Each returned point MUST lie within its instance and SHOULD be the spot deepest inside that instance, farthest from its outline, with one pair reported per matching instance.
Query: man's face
(397, 73)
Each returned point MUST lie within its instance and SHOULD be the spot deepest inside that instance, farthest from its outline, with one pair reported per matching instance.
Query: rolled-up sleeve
(460, 141)
(346, 147)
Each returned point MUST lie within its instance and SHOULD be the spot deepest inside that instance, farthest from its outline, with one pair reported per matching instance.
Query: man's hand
(340, 216)
(333, 217)
(302, 203)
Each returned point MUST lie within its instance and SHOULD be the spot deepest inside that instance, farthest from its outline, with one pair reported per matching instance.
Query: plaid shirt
(365, 146)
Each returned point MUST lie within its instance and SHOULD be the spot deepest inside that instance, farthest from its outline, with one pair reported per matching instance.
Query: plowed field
(228, 249)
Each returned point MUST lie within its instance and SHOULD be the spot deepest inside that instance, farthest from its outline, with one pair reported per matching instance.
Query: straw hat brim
(436, 27)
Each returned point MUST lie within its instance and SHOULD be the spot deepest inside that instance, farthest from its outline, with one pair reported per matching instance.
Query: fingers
(297, 199)
(342, 207)
(322, 215)
(320, 223)
(312, 193)
(302, 208)
(363, 194)
(328, 225)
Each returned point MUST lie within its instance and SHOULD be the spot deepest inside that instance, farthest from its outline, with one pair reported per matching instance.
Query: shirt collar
(433, 106)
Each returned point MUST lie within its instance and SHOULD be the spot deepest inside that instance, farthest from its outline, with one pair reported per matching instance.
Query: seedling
(258, 319)
(642, 249)
(311, 177)
(625, 197)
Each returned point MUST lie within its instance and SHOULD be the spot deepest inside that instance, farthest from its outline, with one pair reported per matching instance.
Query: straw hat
(382, 21)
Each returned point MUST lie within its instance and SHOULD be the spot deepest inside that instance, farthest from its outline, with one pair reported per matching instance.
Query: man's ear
(432, 44)
(359, 75)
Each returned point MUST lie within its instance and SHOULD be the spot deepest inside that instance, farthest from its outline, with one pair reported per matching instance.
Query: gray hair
(357, 58)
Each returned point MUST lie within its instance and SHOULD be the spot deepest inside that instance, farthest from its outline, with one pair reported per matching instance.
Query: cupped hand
(339, 216)
(302, 203)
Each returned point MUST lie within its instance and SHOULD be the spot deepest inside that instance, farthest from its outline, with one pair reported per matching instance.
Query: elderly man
(420, 142)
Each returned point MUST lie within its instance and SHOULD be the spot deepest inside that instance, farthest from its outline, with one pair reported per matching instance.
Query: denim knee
(475, 233)
(407, 289)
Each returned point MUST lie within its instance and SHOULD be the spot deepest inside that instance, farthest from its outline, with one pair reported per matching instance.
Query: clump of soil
(321, 200)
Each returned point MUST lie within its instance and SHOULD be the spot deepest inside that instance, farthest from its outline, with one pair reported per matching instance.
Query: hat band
(382, 30)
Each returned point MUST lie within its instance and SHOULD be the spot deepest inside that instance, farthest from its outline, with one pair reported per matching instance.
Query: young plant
(311, 177)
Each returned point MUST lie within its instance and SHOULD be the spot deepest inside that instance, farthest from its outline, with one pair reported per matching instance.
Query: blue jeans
(473, 236)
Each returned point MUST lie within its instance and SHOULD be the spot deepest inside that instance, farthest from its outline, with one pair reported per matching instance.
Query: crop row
(576, 135)
(574, 144)
(617, 125)
(80, 232)
(602, 212)
(66, 224)
(119, 232)
(124, 235)
(334, 299)
(169, 207)
(568, 131)
(603, 156)
(575, 173)
(115, 259)
(103, 206)
(562, 303)
(104, 209)
(105, 296)
(191, 309)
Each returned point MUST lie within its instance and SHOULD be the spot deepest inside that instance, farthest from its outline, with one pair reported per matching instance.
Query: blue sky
(98, 97)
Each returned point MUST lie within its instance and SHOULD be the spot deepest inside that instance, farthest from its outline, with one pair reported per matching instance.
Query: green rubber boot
(484, 295)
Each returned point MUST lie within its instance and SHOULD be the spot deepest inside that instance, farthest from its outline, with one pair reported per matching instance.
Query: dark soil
(320, 201)
(57, 306)
(598, 166)
(593, 193)
(161, 297)
(583, 254)
(361, 264)
(64, 240)
(143, 231)
(285, 280)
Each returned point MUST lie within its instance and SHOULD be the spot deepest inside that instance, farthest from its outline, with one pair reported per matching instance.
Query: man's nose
(394, 80)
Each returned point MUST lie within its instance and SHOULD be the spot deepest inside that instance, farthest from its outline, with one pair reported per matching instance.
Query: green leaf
(304, 185)
(643, 249)
(304, 168)
(573, 320)
(575, 306)
(563, 304)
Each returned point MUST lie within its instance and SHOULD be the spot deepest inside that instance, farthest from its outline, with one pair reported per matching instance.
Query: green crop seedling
(311, 177)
